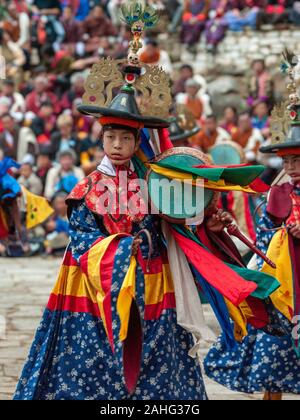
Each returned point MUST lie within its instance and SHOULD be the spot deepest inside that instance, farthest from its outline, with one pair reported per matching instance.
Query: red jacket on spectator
(34, 101)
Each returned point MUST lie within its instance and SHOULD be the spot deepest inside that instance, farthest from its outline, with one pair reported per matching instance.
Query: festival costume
(265, 363)
(119, 326)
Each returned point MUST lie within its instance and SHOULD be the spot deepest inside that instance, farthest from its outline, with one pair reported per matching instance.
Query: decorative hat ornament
(149, 83)
(183, 125)
(285, 118)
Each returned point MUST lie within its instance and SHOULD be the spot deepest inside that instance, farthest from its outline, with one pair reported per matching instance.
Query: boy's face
(291, 165)
(26, 171)
(119, 146)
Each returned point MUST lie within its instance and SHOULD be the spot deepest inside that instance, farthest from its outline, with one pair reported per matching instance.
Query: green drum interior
(179, 200)
(224, 154)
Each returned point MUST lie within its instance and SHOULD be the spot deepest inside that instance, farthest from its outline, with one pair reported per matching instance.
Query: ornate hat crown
(150, 83)
(285, 117)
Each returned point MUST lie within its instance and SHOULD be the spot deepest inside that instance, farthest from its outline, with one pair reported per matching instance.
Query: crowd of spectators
(48, 47)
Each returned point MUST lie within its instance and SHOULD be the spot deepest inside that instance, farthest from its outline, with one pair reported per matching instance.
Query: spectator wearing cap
(191, 98)
(64, 176)
(65, 138)
(152, 54)
(195, 97)
(29, 179)
(39, 95)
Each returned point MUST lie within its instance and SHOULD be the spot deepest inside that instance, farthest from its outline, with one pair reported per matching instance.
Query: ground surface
(25, 285)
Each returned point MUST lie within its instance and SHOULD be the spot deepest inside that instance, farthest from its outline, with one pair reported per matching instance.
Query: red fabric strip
(154, 311)
(260, 317)
(219, 275)
(249, 217)
(73, 304)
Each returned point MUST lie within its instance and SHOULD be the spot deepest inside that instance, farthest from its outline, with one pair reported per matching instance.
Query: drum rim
(235, 146)
(177, 151)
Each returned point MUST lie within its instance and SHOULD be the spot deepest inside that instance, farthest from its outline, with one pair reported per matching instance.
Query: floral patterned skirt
(71, 359)
(261, 363)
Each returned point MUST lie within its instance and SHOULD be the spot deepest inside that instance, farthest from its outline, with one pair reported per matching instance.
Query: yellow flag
(37, 209)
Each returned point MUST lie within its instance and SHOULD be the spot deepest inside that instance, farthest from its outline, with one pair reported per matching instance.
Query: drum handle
(150, 243)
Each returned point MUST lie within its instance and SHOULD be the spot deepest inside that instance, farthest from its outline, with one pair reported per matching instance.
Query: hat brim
(98, 112)
(185, 135)
(274, 148)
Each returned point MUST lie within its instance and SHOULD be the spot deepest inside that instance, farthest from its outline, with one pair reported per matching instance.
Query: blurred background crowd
(48, 47)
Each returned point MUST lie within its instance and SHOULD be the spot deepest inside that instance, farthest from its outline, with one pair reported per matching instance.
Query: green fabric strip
(266, 283)
(239, 176)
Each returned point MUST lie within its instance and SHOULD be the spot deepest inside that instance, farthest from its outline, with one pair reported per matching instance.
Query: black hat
(124, 107)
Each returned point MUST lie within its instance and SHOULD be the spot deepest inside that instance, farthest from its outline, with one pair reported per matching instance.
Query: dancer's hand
(135, 246)
(295, 230)
(218, 221)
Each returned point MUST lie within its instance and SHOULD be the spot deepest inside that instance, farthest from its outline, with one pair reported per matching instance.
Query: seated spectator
(230, 120)
(237, 20)
(43, 166)
(82, 123)
(57, 227)
(96, 29)
(274, 12)
(191, 98)
(39, 95)
(43, 126)
(50, 29)
(19, 23)
(65, 138)
(260, 85)
(30, 180)
(91, 151)
(16, 141)
(75, 92)
(154, 55)
(80, 8)
(194, 18)
(186, 72)
(261, 118)
(14, 57)
(63, 177)
(210, 135)
(17, 107)
(249, 138)
(216, 26)
(294, 12)
(71, 26)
